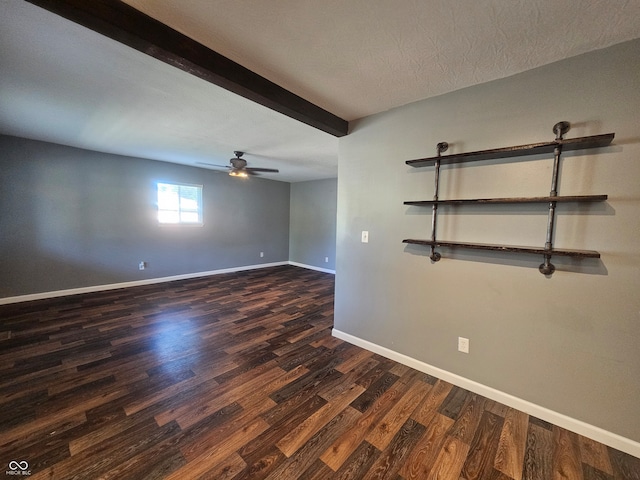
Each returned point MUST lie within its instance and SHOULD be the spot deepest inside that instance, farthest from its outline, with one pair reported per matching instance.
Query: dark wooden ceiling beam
(125, 24)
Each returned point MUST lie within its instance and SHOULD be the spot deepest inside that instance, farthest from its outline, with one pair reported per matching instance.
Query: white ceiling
(65, 84)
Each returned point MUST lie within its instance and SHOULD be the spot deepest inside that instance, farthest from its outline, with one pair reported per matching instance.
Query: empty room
(320, 240)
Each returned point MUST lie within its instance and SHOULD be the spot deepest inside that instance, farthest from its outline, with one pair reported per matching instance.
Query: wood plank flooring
(237, 376)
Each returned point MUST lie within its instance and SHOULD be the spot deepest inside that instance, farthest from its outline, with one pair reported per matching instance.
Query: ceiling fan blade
(213, 165)
(253, 169)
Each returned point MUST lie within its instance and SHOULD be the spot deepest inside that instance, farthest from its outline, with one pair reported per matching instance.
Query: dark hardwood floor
(237, 376)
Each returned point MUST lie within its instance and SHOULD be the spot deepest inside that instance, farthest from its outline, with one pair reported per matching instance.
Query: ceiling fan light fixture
(237, 172)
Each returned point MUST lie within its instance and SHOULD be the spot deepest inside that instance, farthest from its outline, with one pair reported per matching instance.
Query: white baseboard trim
(582, 428)
(136, 283)
(311, 267)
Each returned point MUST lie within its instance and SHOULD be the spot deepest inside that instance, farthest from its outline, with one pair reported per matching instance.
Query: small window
(179, 204)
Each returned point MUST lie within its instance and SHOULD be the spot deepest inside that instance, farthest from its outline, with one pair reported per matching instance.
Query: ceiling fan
(238, 166)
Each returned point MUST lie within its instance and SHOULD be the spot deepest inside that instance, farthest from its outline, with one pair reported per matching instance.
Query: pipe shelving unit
(557, 146)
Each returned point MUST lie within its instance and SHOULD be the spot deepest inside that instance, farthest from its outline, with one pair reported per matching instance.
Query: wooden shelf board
(491, 201)
(580, 143)
(507, 248)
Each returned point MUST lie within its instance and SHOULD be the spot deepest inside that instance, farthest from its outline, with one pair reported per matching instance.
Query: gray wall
(312, 237)
(75, 218)
(568, 343)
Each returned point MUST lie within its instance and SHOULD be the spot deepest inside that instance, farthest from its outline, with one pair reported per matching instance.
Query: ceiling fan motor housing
(238, 162)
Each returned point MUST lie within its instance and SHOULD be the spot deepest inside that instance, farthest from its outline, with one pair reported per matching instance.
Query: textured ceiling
(65, 84)
(360, 57)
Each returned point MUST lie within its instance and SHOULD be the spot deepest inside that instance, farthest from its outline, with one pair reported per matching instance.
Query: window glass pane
(189, 217)
(168, 216)
(188, 204)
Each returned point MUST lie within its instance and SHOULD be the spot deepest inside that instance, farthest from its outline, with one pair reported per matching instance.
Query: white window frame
(178, 213)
